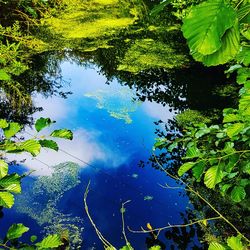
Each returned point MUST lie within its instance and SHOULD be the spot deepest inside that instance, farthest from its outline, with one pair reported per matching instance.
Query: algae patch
(119, 103)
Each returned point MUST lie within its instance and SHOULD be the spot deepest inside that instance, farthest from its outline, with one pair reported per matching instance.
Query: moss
(191, 117)
(148, 53)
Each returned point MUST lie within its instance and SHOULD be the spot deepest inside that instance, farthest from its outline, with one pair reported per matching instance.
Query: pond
(115, 78)
(113, 132)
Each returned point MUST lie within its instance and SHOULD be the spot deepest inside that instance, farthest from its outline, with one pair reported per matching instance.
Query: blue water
(112, 134)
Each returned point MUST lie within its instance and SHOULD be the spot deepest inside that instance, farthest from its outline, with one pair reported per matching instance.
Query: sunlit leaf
(185, 167)
(213, 176)
(6, 199)
(216, 246)
(206, 24)
(155, 248)
(3, 168)
(42, 123)
(62, 133)
(235, 243)
(31, 146)
(234, 129)
(12, 129)
(16, 231)
(11, 183)
(51, 241)
(198, 169)
(4, 76)
(3, 123)
(49, 144)
(159, 8)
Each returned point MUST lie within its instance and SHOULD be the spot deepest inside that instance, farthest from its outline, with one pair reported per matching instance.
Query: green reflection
(40, 202)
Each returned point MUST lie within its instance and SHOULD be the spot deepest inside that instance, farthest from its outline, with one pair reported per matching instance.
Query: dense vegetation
(211, 147)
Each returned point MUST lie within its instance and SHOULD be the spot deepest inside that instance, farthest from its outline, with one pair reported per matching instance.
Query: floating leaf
(49, 144)
(42, 123)
(16, 231)
(6, 199)
(185, 167)
(62, 133)
(3, 169)
(206, 24)
(51, 241)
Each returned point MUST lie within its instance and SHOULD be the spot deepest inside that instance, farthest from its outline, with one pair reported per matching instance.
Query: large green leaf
(16, 231)
(12, 129)
(229, 49)
(11, 183)
(49, 144)
(3, 169)
(51, 241)
(185, 167)
(6, 199)
(31, 146)
(62, 133)
(213, 176)
(193, 152)
(198, 170)
(235, 243)
(42, 123)
(206, 24)
(238, 194)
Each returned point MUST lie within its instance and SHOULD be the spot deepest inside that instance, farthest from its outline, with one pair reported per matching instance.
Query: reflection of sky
(114, 147)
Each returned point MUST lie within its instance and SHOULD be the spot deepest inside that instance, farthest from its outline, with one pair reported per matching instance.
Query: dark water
(112, 133)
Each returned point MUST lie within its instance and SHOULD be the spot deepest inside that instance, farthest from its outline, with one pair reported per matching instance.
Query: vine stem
(172, 226)
(190, 189)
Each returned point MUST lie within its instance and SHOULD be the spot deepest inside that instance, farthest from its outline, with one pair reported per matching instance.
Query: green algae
(40, 202)
(118, 103)
(148, 53)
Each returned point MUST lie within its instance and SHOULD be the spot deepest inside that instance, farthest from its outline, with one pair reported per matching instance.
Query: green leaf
(51, 241)
(155, 248)
(235, 243)
(62, 133)
(246, 168)
(238, 194)
(6, 199)
(202, 132)
(206, 24)
(3, 123)
(213, 176)
(225, 188)
(42, 123)
(3, 169)
(231, 118)
(229, 49)
(4, 76)
(31, 146)
(198, 170)
(244, 56)
(159, 8)
(11, 130)
(185, 167)
(234, 129)
(11, 183)
(49, 144)
(243, 75)
(127, 247)
(192, 152)
(16, 231)
(216, 246)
